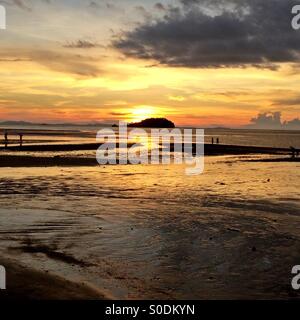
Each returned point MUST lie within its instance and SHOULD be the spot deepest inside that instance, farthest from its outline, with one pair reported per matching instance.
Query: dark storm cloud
(217, 33)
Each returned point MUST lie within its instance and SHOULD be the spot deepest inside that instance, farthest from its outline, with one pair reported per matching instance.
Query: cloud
(159, 6)
(143, 12)
(73, 64)
(104, 7)
(13, 60)
(120, 114)
(267, 120)
(288, 102)
(177, 98)
(82, 44)
(293, 124)
(18, 3)
(217, 33)
(94, 5)
(272, 120)
(57, 61)
(22, 4)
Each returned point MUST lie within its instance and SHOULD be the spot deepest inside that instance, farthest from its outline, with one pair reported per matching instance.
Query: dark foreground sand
(55, 161)
(210, 149)
(14, 159)
(29, 284)
(57, 147)
(222, 149)
(31, 161)
(284, 159)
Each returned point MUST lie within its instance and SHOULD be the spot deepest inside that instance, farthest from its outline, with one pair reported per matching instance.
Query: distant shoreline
(65, 127)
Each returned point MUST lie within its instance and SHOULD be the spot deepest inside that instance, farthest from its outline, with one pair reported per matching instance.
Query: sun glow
(143, 112)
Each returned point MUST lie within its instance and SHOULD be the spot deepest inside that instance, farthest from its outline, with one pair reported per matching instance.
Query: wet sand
(229, 233)
(27, 283)
(150, 232)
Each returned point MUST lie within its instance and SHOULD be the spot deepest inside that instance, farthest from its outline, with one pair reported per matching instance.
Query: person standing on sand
(218, 141)
(212, 140)
(5, 138)
(21, 139)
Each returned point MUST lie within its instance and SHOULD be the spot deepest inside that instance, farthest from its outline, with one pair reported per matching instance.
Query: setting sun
(142, 112)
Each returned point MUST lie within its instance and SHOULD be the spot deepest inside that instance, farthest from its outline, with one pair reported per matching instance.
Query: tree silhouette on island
(153, 123)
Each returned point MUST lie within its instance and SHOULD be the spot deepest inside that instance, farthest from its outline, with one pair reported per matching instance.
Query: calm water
(65, 134)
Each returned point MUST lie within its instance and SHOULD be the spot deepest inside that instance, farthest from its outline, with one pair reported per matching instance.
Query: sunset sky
(196, 62)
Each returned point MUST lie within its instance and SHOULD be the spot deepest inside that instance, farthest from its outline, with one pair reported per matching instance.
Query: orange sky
(46, 77)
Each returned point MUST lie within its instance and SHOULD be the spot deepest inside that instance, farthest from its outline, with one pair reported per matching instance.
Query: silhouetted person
(293, 150)
(5, 139)
(21, 139)
(212, 140)
(218, 141)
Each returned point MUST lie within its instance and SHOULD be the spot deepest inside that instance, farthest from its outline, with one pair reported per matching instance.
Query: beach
(157, 237)
(149, 231)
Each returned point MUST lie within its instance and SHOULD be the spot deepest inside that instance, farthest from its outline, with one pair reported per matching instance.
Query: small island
(153, 123)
